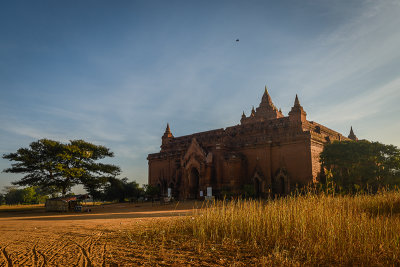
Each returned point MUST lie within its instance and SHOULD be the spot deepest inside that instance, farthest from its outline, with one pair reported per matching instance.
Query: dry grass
(311, 229)
(20, 207)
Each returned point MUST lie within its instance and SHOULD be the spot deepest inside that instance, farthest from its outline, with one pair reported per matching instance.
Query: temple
(267, 154)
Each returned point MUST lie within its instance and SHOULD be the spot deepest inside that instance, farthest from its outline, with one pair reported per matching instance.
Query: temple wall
(257, 157)
(161, 168)
(295, 158)
(316, 149)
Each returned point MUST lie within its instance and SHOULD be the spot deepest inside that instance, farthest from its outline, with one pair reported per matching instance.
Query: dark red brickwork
(267, 152)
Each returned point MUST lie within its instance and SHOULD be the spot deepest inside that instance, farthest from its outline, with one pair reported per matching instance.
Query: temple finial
(167, 130)
(253, 112)
(297, 112)
(352, 136)
(296, 101)
(167, 133)
(266, 99)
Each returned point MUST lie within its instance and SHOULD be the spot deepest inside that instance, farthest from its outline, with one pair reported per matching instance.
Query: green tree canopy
(28, 195)
(122, 189)
(51, 164)
(151, 191)
(361, 165)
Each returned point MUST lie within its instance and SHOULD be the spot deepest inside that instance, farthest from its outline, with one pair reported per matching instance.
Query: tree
(151, 191)
(28, 195)
(13, 195)
(121, 189)
(52, 164)
(361, 165)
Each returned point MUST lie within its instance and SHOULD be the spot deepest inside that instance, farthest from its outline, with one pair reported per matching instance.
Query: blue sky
(115, 72)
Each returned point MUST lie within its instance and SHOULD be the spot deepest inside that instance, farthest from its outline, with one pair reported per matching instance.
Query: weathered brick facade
(267, 151)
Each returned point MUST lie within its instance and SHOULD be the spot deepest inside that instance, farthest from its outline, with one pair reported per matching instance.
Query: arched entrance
(159, 190)
(281, 183)
(194, 183)
(257, 187)
(258, 184)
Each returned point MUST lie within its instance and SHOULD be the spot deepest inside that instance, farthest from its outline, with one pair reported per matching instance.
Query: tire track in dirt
(50, 260)
(85, 253)
(35, 258)
(7, 258)
(44, 262)
(104, 255)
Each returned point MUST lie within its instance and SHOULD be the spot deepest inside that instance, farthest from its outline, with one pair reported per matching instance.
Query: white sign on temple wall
(169, 192)
(209, 191)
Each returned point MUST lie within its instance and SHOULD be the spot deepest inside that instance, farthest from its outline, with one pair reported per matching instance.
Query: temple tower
(167, 137)
(297, 114)
(352, 136)
(265, 111)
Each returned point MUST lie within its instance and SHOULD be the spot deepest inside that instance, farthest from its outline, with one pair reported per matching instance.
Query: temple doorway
(257, 187)
(194, 183)
(281, 183)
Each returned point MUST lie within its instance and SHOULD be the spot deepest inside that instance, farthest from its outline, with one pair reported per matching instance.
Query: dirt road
(39, 238)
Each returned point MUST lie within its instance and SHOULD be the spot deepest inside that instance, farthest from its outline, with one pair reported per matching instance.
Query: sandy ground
(39, 238)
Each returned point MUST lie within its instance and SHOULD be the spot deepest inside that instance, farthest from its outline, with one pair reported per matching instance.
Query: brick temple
(267, 152)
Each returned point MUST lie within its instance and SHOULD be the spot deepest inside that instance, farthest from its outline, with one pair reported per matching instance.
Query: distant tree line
(29, 195)
(119, 190)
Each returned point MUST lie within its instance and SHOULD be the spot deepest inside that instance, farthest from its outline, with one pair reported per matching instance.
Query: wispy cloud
(361, 106)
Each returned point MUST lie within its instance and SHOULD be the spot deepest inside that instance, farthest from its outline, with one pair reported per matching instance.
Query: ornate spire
(264, 112)
(352, 136)
(266, 99)
(243, 115)
(296, 101)
(297, 112)
(168, 132)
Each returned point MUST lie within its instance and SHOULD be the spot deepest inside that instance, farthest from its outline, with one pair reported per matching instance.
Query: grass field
(6, 208)
(291, 231)
(310, 229)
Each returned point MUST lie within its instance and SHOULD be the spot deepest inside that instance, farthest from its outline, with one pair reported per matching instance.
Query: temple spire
(266, 99)
(297, 113)
(352, 136)
(168, 132)
(296, 101)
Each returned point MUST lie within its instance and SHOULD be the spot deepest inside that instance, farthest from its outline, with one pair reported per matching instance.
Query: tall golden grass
(20, 207)
(305, 229)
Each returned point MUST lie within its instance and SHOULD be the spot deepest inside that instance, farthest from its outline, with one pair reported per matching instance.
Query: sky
(115, 72)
